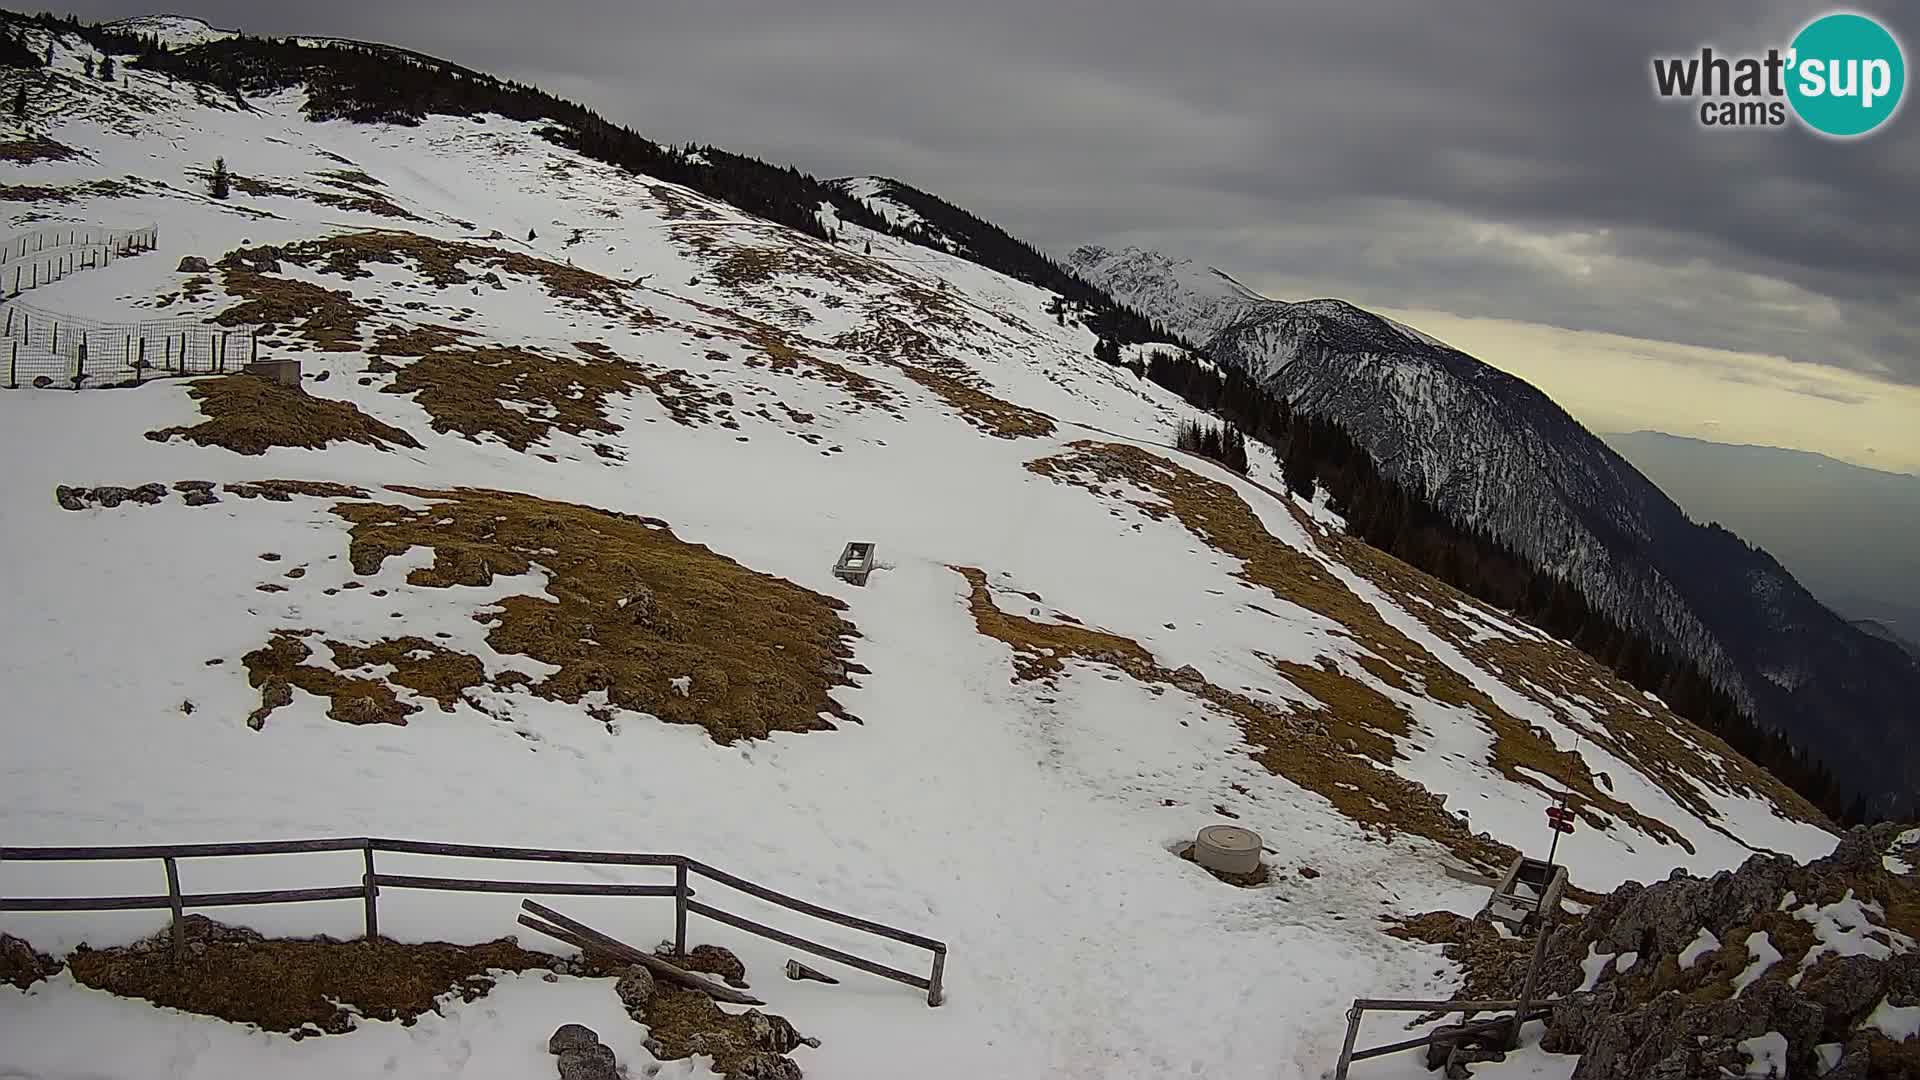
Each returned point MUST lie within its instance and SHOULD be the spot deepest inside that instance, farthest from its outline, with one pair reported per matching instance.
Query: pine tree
(89, 67)
(106, 68)
(220, 185)
(20, 101)
(49, 54)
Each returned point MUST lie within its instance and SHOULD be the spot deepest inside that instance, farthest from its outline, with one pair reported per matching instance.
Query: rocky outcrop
(1643, 992)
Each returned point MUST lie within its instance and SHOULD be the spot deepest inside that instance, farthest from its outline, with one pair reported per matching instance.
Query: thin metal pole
(173, 896)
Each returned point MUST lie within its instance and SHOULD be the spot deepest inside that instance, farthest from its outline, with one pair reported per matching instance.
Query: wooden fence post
(173, 897)
(255, 356)
(934, 994)
(372, 887)
(680, 908)
(13, 368)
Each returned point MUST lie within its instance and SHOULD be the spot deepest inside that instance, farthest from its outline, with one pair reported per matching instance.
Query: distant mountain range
(1497, 456)
(1848, 533)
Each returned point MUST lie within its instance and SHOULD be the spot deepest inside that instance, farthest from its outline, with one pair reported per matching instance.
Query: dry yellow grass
(249, 415)
(446, 263)
(329, 319)
(468, 388)
(631, 609)
(26, 151)
(1657, 742)
(918, 356)
(291, 984)
(1214, 513)
(276, 667)
(1305, 752)
(358, 198)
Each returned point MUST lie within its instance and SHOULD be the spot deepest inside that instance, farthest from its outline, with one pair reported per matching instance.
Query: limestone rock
(572, 1037)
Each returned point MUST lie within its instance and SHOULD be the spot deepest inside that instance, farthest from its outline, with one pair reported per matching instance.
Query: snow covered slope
(1497, 456)
(176, 31)
(548, 563)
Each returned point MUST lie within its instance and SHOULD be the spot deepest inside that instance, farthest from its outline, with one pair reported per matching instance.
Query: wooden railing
(372, 881)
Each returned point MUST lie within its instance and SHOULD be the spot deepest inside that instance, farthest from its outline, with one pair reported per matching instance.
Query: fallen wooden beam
(580, 933)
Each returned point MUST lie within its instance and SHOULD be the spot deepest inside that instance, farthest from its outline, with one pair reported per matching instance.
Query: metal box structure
(855, 564)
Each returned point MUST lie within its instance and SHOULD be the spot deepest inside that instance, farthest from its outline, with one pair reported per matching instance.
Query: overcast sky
(1491, 160)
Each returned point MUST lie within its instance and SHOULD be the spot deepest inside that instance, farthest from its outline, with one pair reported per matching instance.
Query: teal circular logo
(1846, 75)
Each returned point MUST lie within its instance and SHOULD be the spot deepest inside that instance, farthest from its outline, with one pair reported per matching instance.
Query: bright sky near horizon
(1610, 382)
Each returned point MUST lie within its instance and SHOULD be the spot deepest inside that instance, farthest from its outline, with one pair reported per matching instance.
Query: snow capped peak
(174, 30)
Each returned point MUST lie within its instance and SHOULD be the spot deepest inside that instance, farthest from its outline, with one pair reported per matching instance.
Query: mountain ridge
(1496, 454)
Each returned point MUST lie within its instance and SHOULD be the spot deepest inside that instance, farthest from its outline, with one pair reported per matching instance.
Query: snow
(1701, 945)
(1593, 966)
(1764, 956)
(1624, 963)
(1828, 1055)
(1896, 1022)
(1849, 927)
(1766, 1056)
(1028, 825)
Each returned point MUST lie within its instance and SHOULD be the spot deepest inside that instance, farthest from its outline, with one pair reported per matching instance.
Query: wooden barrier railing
(372, 881)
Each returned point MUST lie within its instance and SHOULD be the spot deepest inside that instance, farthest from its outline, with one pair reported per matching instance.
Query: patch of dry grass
(427, 669)
(34, 148)
(905, 346)
(249, 415)
(330, 319)
(1303, 751)
(631, 609)
(275, 668)
(686, 1022)
(359, 199)
(1215, 514)
(468, 388)
(1664, 746)
(296, 984)
(445, 263)
(21, 966)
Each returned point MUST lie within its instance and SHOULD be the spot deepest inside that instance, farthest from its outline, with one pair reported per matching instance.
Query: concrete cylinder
(1228, 849)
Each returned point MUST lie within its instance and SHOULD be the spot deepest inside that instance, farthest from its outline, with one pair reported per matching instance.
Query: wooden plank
(85, 903)
(621, 950)
(177, 851)
(541, 888)
(188, 900)
(481, 851)
(179, 925)
(271, 896)
(815, 910)
(370, 888)
(815, 948)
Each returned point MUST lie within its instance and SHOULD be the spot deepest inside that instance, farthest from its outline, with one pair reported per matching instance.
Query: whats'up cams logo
(1842, 76)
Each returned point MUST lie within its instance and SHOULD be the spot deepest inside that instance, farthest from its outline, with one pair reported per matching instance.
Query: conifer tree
(220, 185)
(106, 68)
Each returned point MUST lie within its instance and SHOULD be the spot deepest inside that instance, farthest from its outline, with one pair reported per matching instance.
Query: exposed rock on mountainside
(1812, 968)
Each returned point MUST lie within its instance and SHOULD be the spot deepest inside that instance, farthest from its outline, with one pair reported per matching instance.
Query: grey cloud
(1341, 148)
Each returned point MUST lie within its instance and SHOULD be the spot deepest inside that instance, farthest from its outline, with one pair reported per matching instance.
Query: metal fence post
(13, 368)
(934, 994)
(680, 908)
(173, 897)
(1346, 1051)
(372, 887)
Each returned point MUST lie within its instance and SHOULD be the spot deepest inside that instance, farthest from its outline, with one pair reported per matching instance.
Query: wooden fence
(372, 881)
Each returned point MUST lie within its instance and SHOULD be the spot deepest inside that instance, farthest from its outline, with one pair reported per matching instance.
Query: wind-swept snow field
(652, 352)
